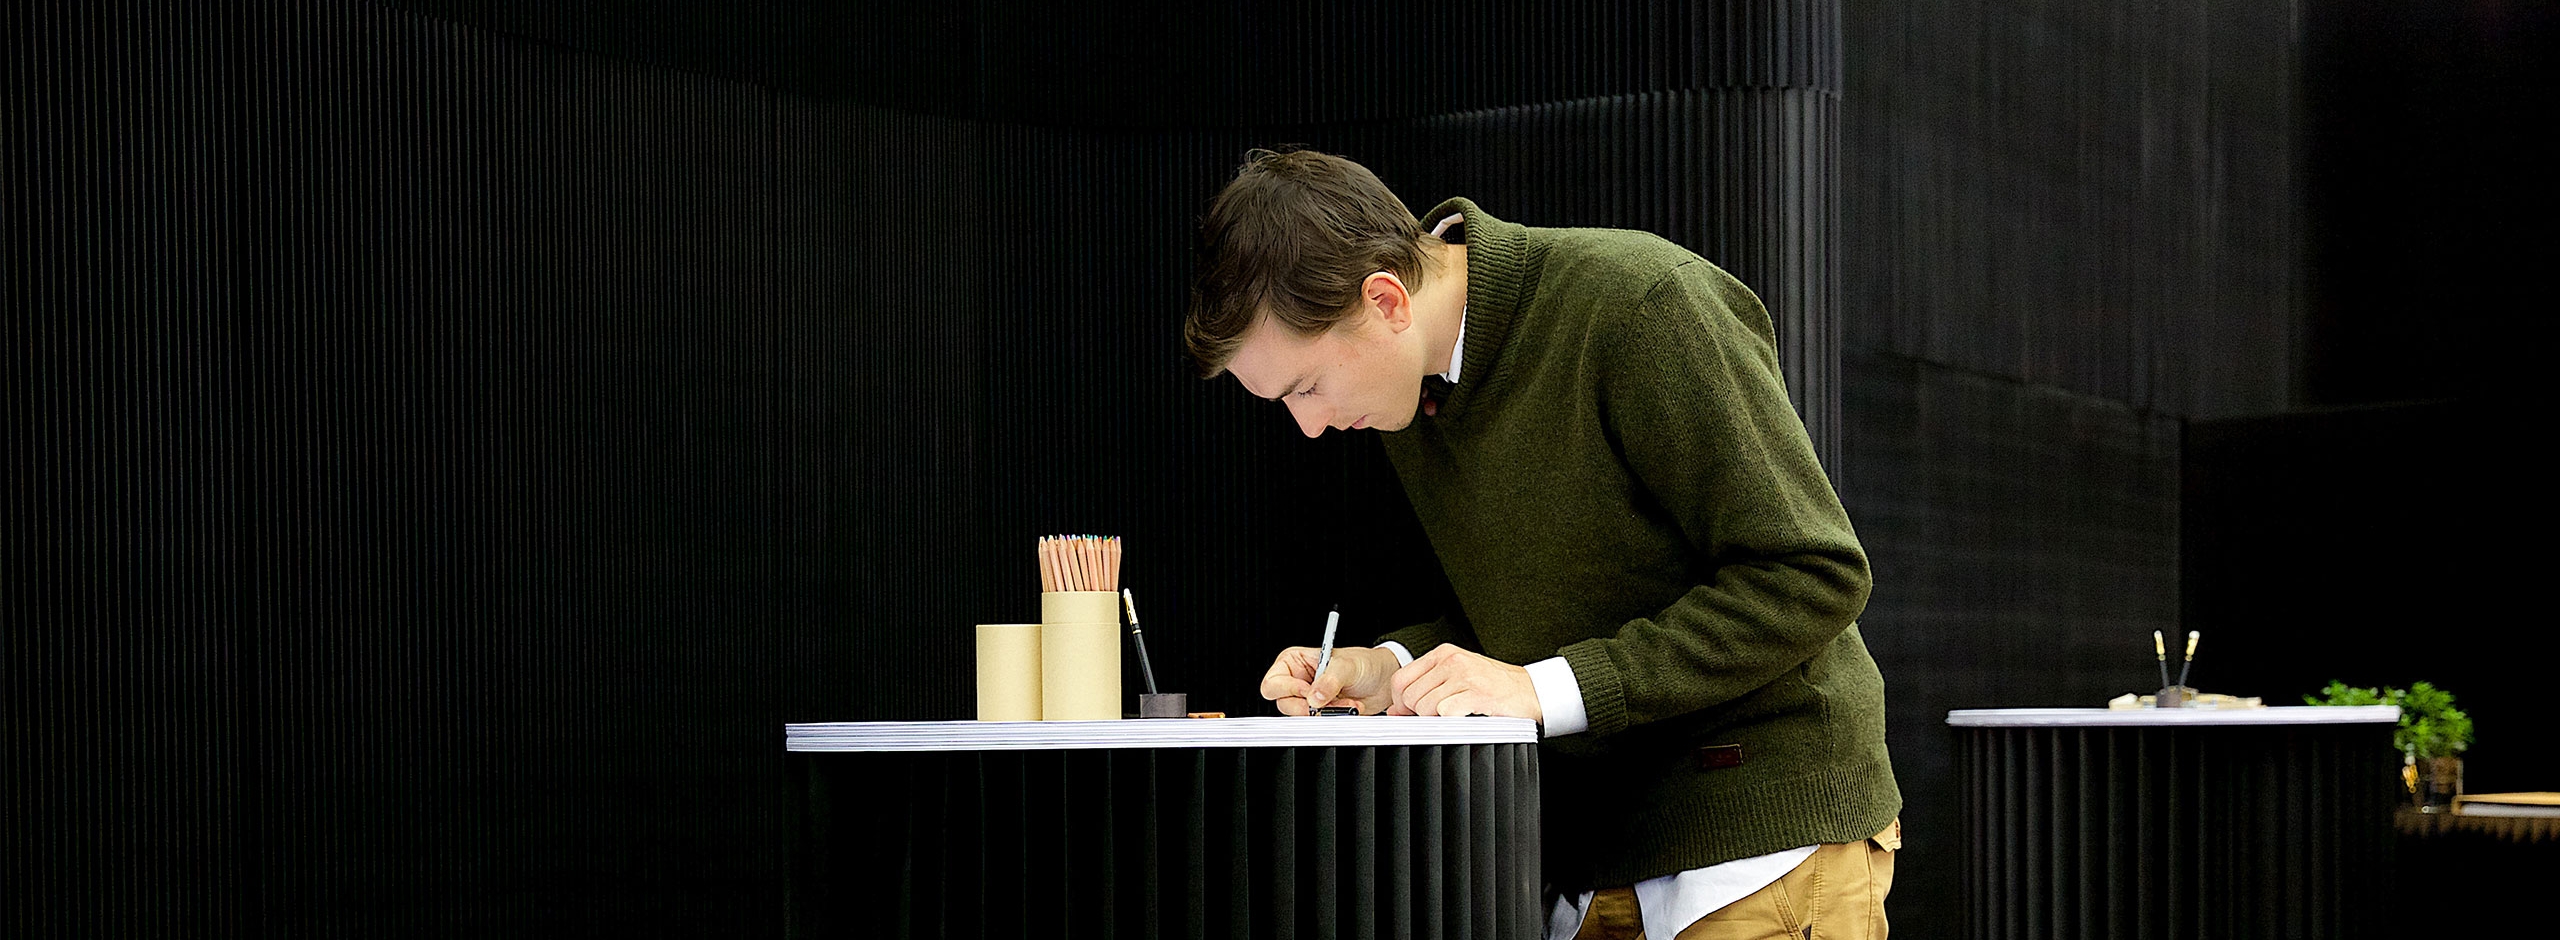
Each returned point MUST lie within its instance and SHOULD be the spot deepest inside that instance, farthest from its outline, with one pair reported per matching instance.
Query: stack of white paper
(1346, 731)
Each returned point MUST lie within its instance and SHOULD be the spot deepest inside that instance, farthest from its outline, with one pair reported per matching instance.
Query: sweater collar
(1499, 273)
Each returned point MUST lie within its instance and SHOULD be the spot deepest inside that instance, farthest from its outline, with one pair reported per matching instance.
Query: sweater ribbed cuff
(1604, 692)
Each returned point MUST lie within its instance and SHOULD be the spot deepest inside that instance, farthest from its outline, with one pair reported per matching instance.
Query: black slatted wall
(402, 488)
(2094, 197)
(2066, 229)
(121, 699)
(456, 434)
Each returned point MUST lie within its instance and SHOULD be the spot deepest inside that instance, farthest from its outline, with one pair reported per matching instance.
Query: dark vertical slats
(1320, 865)
(1195, 861)
(1272, 843)
(1104, 850)
(1431, 890)
(1399, 884)
(2150, 853)
(1491, 856)
(2229, 831)
(1145, 891)
(117, 287)
(1527, 838)
(1358, 862)
(491, 498)
(1458, 833)
(374, 482)
(1288, 831)
(1248, 869)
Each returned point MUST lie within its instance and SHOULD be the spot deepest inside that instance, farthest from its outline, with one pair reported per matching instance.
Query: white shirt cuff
(1404, 657)
(1559, 697)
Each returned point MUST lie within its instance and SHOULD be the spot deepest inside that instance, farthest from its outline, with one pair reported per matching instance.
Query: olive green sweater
(1618, 478)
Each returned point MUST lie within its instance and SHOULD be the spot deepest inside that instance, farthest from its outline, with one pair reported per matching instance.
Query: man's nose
(1311, 418)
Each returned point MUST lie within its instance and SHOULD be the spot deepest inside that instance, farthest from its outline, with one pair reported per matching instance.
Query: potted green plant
(2431, 737)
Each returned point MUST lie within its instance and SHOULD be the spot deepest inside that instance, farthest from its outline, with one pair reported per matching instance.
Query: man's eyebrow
(1294, 384)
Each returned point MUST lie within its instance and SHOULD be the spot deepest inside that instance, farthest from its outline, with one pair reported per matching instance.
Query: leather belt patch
(1719, 756)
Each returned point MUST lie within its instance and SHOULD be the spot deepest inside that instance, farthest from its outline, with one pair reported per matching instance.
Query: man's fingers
(1461, 701)
(1356, 675)
(1277, 686)
(1289, 674)
(1327, 687)
(1404, 679)
(1434, 701)
(1400, 686)
(1366, 677)
(1419, 689)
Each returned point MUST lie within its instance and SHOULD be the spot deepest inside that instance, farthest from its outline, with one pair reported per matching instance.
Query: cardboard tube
(1079, 655)
(1009, 672)
(1080, 671)
(1079, 606)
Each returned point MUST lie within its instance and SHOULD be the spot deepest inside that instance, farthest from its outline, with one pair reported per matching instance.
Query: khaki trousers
(1837, 894)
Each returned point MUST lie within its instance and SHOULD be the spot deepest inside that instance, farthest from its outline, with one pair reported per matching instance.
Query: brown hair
(1293, 237)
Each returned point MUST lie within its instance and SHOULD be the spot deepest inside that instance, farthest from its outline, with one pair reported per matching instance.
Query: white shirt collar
(1457, 353)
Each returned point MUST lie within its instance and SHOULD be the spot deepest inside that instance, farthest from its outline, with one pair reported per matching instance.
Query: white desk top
(2155, 717)
(1273, 731)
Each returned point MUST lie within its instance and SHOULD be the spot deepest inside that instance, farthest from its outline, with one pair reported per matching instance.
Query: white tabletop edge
(1272, 731)
(2145, 717)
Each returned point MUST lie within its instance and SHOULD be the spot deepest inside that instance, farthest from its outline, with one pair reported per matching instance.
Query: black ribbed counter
(1235, 827)
(2176, 823)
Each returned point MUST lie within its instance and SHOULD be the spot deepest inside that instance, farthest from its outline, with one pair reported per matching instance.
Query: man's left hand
(1451, 680)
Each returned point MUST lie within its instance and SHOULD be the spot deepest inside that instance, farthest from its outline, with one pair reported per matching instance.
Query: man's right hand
(1358, 676)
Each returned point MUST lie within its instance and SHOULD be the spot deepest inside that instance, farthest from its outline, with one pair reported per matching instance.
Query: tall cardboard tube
(1079, 656)
(1079, 606)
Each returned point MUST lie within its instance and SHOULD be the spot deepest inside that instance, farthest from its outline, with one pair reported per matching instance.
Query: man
(1594, 431)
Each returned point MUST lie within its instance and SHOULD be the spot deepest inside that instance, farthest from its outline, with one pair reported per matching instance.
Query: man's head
(1307, 264)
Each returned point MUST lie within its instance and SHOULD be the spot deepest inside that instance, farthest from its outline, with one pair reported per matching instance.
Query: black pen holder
(2175, 696)
(1163, 705)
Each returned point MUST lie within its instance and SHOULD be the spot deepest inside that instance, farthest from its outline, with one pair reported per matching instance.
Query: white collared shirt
(1457, 353)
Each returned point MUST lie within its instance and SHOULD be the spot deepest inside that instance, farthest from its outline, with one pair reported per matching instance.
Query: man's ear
(1385, 293)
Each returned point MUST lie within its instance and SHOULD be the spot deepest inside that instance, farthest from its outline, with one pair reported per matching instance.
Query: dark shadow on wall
(2382, 545)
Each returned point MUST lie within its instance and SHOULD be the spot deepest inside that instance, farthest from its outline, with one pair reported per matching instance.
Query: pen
(1141, 639)
(2191, 657)
(1325, 657)
(2160, 648)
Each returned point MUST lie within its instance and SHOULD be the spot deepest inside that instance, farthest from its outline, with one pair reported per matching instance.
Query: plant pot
(2434, 782)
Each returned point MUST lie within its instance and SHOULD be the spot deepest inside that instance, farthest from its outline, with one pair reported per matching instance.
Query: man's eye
(1309, 390)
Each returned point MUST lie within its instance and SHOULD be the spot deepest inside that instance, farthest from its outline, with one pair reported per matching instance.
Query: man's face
(1365, 372)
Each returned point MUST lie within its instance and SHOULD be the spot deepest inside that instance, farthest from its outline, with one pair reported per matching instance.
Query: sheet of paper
(1350, 731)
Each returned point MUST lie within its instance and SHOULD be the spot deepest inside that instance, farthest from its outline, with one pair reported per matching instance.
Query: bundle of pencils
(1079, 563)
